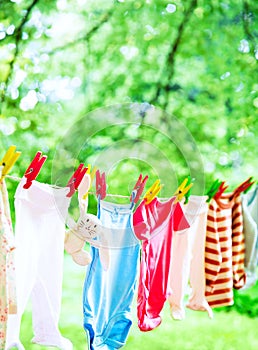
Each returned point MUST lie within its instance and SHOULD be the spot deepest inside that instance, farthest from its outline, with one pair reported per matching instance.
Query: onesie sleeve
(238, 245)
(6, 223)
(250, 235)
(179, 220)
(140, 223)
(213, 256)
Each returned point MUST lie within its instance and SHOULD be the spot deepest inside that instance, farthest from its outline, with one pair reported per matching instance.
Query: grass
(228, 330)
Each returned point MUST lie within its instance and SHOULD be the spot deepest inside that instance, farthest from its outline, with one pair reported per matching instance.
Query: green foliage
(245, 302)
(75, 58)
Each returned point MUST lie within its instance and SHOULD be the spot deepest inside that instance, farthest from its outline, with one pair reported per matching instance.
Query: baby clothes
(187, 260)
(250, 215)
(154, 223)
(41, 212)
(7, 269)
(224, 250)
(108, 293)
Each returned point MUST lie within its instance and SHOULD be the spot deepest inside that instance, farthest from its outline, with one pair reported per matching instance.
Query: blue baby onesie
(108, 294)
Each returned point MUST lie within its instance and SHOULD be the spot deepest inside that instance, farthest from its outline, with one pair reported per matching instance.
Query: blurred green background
(167, 88)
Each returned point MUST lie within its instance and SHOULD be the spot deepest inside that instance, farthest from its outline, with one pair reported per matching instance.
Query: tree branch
(246, 16)
(169, 67)
(18, 37)
(83, 38)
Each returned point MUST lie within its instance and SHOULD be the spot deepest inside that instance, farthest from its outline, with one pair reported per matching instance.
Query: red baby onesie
(154, 223)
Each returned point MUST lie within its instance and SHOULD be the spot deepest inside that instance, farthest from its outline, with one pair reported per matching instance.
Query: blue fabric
(108, 295)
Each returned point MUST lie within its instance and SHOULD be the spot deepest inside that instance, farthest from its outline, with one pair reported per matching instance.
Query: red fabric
(154, 223)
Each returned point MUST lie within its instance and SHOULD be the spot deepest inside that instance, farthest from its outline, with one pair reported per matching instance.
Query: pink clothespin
(76, 179)
(34, 168)
(222, 188)
(138, 188)
(101, 186)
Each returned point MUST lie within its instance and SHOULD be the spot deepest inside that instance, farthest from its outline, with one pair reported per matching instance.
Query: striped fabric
(224, 250)
(238, 245)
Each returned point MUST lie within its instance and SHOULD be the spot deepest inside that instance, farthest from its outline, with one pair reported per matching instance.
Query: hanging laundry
(250, 215)
(224, 250)
(154, 223)
(41, 212)
(7, 269)
(108, 294)
(187, 261)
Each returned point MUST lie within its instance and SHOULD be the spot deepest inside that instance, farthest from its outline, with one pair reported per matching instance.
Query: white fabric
(41, 212)
(187, 261)
(250, 216)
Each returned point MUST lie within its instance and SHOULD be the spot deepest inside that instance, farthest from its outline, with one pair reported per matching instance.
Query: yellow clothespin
(91, 172)
(152, 191)
(9, 160)
(92, 175)
(183, 189)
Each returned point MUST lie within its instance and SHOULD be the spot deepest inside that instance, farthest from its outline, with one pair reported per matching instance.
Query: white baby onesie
(250, 216)
(187, 261)
(41, 213)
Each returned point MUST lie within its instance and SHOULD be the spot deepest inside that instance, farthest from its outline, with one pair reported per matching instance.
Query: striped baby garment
(224, 250)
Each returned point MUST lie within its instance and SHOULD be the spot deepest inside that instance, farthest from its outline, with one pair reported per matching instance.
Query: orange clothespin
(183, 189)
(138, 188)
(221, 190)
(251, 184)
(92, 175)
(9, 160)
(152, 192)
(243, 187)
(34, 168)
(76, 179)
(101, 186)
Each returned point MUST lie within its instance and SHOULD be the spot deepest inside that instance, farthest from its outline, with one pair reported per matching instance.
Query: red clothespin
(243, 187)
(76, 179)
(34, 168)
(222, 188)
(138, 188)
(101, 186)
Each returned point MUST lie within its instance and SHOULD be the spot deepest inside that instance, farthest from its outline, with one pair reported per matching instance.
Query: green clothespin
(213, 190)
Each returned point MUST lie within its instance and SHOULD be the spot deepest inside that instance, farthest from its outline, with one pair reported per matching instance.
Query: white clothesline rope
(16, 178)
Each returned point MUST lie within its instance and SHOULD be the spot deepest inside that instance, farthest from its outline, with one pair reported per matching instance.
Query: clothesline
(16, 178)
